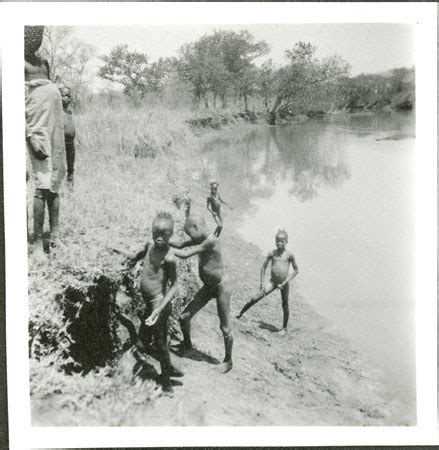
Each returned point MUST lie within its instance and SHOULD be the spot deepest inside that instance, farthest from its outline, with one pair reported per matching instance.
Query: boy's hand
(281, 286)
(152, 319)
(37, 148)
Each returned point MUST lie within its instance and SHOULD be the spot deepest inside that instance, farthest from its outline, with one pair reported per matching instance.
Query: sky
(369, 48)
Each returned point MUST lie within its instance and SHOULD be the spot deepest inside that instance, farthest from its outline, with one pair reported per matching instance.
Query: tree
(128, 68)
(221, 63)
(305, 77)
(134, 72)
(68, 58)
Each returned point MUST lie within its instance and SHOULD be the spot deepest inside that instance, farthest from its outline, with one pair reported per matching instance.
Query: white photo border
(423, 16)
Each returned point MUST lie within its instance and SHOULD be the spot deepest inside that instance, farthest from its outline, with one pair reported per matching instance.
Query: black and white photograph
(222, 221)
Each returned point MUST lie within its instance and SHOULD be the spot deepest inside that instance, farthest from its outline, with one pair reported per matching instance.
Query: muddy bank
(312, 376)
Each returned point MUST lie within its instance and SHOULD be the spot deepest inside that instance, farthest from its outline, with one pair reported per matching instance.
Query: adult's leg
(224, 293)
(200, 300)
(286, 310)
(53, 206)
(39, 207)
(267, 290)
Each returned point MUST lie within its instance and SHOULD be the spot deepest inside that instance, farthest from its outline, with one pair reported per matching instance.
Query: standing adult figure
(44, 137)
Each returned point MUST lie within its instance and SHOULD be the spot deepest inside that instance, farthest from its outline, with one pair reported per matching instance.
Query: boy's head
(33, 37)
(196, 228)
(281, 239)
(66, 95)
(162, 228)
(213, 186)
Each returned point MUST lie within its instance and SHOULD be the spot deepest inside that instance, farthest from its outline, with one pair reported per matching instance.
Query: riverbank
(312, 376)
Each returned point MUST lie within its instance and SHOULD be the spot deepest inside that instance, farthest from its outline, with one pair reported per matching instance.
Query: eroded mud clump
(91, 316)
(88, 326)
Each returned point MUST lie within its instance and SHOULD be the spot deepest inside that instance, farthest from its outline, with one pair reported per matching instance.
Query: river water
(344, 192)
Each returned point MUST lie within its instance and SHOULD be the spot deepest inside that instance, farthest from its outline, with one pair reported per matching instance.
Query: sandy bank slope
(310, 377)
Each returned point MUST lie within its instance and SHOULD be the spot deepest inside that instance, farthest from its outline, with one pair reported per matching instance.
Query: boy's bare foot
(238, 316)
(175, 371)
(167, 388)
(225, 366)
(184, 347)
(282, 332)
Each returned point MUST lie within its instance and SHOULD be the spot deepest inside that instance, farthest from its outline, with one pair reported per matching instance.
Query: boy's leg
(39, 207)
(70, 156)
(223, 306)
(219, 221)
(161, 339)
(200, 300)
(53, 206)
(267, 290)
(144, 337)
(286, 310)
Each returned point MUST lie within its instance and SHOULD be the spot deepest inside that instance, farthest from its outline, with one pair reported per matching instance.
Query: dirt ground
(311, 376)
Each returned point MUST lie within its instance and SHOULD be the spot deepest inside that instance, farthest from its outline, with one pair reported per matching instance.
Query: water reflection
(305, 156)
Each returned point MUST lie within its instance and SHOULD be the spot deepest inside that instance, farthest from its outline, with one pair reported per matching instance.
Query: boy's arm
(195, 250)
(292, 260)
(264, 268)
(171, 268)
(180, 244)
(222, 201)
(132, 256)
(208, 205)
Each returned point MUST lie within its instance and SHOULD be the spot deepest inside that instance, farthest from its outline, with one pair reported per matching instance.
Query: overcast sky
(368, 48)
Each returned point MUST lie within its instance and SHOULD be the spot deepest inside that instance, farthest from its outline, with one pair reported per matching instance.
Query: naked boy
(216, 283)
(158, 285)
(214, 207)
(280, 259)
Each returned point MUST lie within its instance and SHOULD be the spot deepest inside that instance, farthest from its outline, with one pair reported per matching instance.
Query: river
(344, 192)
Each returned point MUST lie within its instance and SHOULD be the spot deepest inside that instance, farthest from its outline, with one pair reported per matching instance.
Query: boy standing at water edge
(216, 283)
(214, 206)
(159, 274)
(280, 259)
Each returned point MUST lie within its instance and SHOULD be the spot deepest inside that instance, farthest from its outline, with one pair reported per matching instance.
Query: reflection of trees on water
(306, 156)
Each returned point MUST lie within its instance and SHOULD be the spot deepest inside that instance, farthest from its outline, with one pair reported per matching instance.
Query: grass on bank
(130, 164)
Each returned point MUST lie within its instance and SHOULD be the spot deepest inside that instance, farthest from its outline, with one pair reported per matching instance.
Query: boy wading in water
(214, 206)
(216, 283)
(44, 137)
(280, 259)
(158, 285)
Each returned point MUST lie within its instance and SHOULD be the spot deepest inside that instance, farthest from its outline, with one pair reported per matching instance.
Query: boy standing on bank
(280, 259)
(216, 283)
(158, 286)
(214, 207)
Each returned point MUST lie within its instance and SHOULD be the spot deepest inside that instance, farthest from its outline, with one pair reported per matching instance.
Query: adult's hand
(37, 148)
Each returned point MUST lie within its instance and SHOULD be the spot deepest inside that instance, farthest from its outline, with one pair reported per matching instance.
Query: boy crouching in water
(216, 283)
(280, 259)
(158, 285)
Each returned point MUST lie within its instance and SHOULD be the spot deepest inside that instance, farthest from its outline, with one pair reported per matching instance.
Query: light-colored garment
(45, 122)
